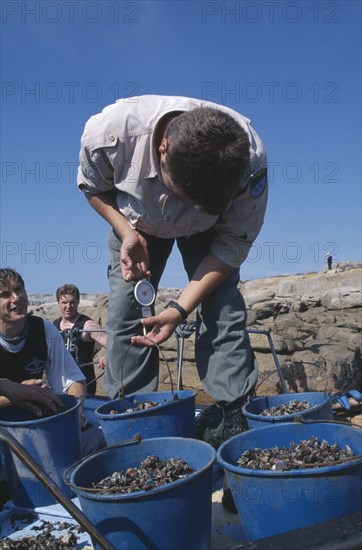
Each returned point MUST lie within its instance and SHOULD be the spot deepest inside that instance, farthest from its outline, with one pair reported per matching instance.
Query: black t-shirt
(29, 362)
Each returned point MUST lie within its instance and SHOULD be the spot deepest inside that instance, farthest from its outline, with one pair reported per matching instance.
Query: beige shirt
(117, 151)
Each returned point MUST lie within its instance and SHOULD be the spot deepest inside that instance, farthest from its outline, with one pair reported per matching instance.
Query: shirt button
(166, 218)
(112, 137)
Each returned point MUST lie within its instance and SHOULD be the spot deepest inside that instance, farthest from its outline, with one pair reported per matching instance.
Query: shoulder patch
(258, 182)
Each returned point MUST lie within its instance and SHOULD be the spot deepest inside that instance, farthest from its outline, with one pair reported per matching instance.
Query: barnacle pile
(151, 473)
(142, 405)
(45, 539)
(306, 454)
(138, 406)
(292, 407)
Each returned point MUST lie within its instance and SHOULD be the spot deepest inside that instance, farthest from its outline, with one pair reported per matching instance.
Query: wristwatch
(179, 308)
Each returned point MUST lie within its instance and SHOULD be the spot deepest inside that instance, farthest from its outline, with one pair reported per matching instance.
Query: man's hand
(134, 251)
(134, 257)
(32, 395)
(163, 326)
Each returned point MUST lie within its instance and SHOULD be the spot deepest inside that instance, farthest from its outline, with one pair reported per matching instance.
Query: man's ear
(164, 146)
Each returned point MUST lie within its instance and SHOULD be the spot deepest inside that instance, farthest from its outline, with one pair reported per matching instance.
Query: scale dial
(144, 293)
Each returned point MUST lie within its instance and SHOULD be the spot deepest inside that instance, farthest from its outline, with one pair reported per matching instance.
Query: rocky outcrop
(314, 321)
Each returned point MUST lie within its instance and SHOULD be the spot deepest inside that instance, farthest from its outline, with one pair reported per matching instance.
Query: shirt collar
(154, 165)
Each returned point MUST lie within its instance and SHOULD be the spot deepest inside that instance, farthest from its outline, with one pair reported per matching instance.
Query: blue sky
(293, 68)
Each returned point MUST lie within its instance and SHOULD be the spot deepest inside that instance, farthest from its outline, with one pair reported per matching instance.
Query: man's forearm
(105, 205)
(134, 251)
(208, 276)
(6, 390)
(31, 395)
(78, 389)
(94, 332)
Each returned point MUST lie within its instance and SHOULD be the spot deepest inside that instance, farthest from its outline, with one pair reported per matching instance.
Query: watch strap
(179, 308)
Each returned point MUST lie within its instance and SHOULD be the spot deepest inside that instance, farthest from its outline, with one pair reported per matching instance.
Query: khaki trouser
(224, 359)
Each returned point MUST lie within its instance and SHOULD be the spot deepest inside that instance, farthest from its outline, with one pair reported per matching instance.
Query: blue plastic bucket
(321, 408)
(171, 418)
(174, 516)
(90, 404)
(272, 502)
(54, 442)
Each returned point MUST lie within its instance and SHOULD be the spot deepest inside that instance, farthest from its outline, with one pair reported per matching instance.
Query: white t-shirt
(60, 368)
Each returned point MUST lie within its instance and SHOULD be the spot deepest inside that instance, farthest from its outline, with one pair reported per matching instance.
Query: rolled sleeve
(95, 171)
(240, 225)
(99, 148)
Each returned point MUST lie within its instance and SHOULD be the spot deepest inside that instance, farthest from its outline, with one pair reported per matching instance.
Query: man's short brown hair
(68, 289)
(208, 154)
(8, 277)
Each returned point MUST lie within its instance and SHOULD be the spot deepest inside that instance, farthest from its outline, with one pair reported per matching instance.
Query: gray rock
(314, 320)
(263, 295)
(340, 298)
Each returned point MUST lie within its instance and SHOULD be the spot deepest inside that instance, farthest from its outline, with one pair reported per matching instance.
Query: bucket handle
(137, 438)
(121, 391)
(303, 420)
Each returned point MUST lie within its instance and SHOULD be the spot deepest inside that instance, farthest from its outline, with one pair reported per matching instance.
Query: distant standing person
(329, 260)
(80, 344)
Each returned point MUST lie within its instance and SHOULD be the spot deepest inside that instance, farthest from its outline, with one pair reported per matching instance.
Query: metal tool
(73, 348)
(43, 477)
(274, 354)
(185, 330)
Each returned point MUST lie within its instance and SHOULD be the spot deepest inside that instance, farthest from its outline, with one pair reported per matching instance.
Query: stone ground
(168, 380)
(314, 320)
(191, 382)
